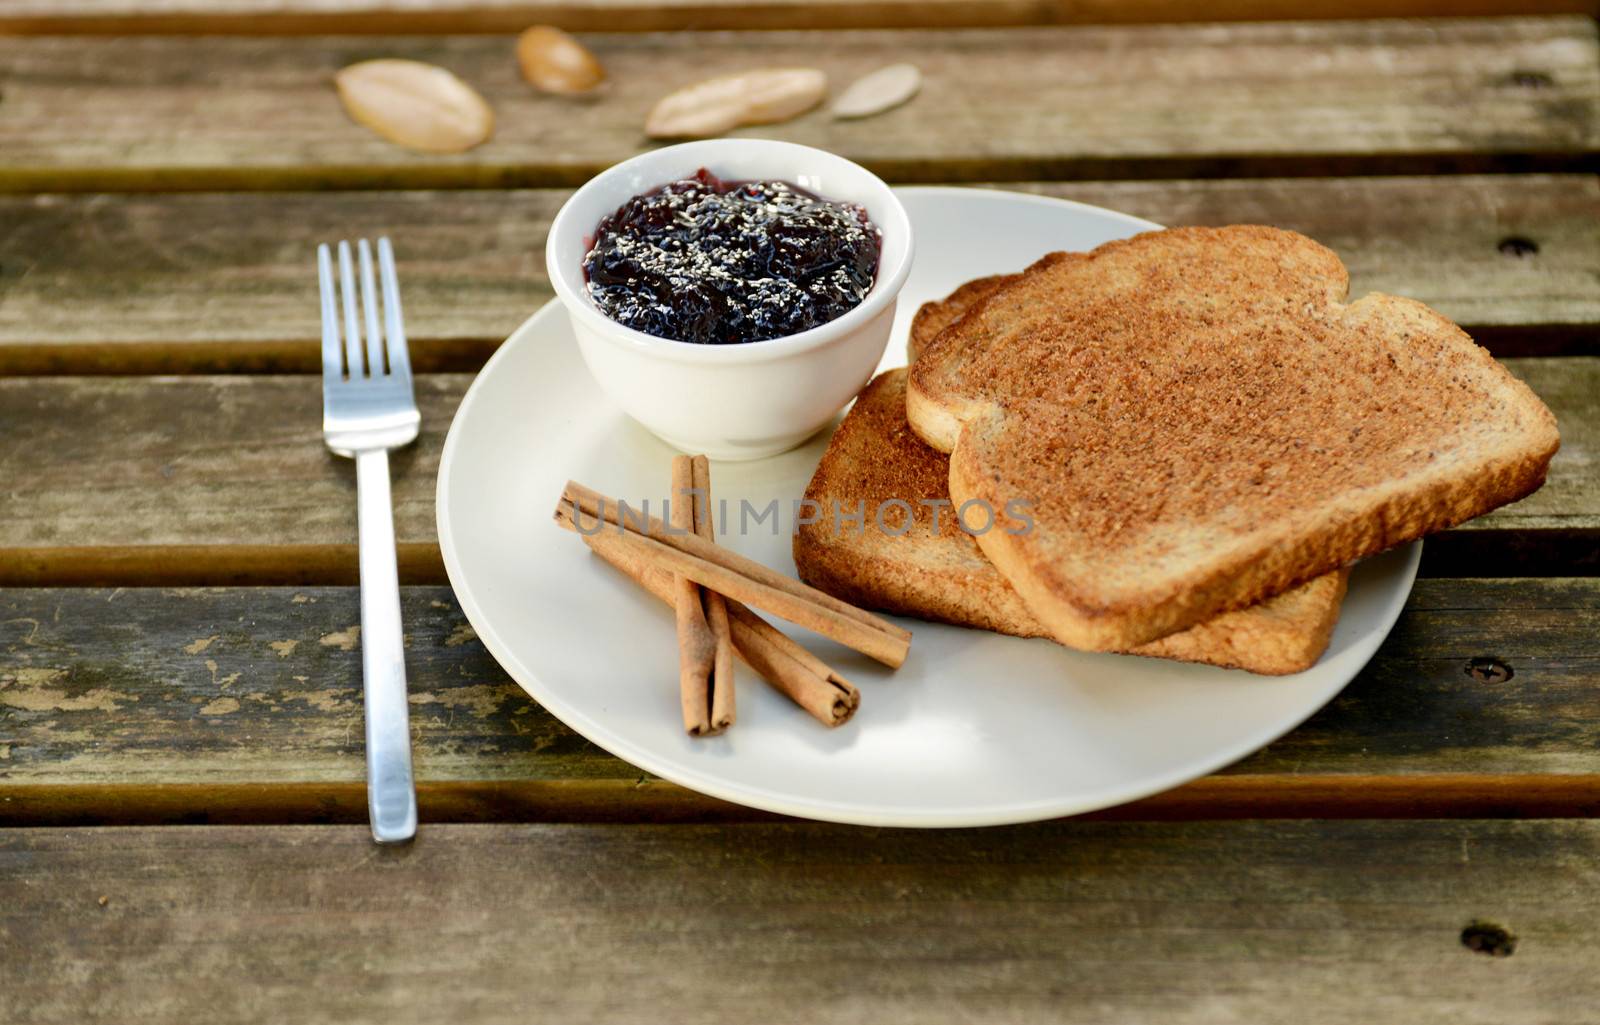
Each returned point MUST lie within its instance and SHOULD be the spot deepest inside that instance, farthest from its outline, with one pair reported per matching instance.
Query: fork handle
(391, 797)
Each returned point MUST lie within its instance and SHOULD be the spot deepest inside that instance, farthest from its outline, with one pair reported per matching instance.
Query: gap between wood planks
(465, 354)
(1458, 553)
(489, 176)
(316, 17)
(1420, 796)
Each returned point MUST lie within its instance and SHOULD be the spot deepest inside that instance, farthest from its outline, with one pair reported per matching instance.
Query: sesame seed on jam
(717, 263)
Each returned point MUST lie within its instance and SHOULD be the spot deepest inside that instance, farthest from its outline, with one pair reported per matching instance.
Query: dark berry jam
(714, 262)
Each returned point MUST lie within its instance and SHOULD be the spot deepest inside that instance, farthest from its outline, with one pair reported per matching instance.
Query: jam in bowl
(720, 263)
(731, 295)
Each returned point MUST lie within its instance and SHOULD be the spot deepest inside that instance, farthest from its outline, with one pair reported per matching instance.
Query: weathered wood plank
(280, 17)
(244, 705)
(1303, 923)
(223, 472)
(221, 282)
(214, 480)
(1176, 101)
(1570, 498)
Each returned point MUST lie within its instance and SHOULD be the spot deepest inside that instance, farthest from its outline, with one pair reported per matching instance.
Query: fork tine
(352, 327)
(369, 307)
(394, 328)
(332, 361)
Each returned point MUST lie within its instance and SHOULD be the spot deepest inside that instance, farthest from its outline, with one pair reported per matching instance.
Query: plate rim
(845, 811)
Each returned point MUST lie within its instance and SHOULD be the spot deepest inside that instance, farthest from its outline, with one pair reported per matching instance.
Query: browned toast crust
(933, 317)
(940, 574)
(1200, 421)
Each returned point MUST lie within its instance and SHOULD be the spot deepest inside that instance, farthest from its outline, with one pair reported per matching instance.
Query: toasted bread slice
(933, 317)
(1200, 422)
(935, 571)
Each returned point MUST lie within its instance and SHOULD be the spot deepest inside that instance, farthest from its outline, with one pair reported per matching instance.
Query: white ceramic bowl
(732, 401)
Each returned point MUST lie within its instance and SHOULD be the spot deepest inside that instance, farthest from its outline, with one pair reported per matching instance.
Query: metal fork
(367, 409)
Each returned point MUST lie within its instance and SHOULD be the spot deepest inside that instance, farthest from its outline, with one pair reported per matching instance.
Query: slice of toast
(936, 571)
(1199, 421)
(933, 317)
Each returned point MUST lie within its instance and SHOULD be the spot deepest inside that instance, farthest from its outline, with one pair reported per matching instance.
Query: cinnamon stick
(698, 679)
(803, 677)
(716, 606)
(792, 670)
(728, 573)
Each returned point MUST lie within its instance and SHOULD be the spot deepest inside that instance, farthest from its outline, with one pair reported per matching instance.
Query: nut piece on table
(416, 105)
(879, 91)
(554, 62)
(716, 105)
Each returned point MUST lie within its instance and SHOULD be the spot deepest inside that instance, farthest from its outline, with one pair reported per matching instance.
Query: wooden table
(180, 733)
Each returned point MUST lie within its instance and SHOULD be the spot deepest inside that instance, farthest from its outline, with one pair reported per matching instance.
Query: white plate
(975, 728)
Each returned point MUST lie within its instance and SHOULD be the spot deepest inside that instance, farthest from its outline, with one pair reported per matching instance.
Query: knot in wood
(1488, 939)
(1489, 670)
(1524, 79)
